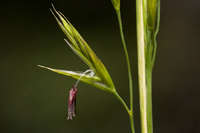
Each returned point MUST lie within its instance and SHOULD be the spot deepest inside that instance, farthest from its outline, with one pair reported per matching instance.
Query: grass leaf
(87, 78)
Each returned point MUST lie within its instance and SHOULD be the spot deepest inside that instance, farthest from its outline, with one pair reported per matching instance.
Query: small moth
(72, 103)
(72, 96)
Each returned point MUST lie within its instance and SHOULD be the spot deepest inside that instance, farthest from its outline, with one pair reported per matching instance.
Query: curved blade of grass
(97, 63)
(82, 57)
(92, 80)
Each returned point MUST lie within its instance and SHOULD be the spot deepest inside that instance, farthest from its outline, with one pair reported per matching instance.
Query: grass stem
(130, 113)
(122, 101)
(144, 91)
(129, 70)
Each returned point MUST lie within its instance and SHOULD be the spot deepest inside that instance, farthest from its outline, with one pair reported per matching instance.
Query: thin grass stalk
(122, 101)
(129, 71)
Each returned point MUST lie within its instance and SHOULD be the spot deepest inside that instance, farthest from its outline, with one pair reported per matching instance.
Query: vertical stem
(141, 65)
(129, 71)
(149, 99)
(127, 60)
(132, 122)
(128, 111)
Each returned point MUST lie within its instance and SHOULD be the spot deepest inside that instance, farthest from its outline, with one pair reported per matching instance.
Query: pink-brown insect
(72, 103)
(72, 96)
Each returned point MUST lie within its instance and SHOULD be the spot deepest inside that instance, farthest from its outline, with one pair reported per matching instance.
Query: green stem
(144, 71)
(130, 113)
(132, 122)
(129, 70)
(122, 101)
(156, 32)
(149, 99)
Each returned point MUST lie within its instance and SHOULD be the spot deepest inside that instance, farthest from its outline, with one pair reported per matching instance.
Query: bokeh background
(34, 100)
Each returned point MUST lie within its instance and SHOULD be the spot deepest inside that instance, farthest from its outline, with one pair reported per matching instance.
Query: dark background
(33, 100)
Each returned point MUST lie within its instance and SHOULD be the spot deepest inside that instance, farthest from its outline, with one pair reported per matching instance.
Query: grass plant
(148, 17)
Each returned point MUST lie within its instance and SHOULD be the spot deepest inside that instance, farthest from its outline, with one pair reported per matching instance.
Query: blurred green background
(34, 100)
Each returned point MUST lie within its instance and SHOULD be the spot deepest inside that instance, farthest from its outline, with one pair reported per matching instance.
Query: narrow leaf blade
(92, 80)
